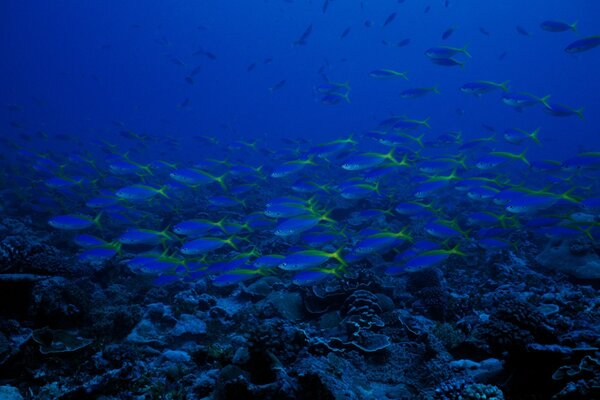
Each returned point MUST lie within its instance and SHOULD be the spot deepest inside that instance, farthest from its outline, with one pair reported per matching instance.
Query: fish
(414, 93)
(446, 52)
(194, 227)
(389, 19)
(522, 31)
(345, 33)
(277, 86)
(74, 222)
(582, 45)
(140, 192)
(520, 100)
(301, 41)
(194, 177)
(558, 26)
(381, 241)
(291, 167)
(363, 161)
(205, 245)
(137, 236)
(307, 259)
(527, 204)
(561, 110)
(299, 224)
(518, 136)
(403, 42)
(387, 74)
(479, 88)
(447, 62)
(448, 32)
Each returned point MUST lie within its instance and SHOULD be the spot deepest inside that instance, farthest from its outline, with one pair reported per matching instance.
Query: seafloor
(517, 325)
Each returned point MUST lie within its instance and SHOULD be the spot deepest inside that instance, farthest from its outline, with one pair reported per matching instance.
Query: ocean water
(292, 199)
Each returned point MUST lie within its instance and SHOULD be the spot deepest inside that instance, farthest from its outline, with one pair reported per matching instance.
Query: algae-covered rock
(560, 258)
(59, 341)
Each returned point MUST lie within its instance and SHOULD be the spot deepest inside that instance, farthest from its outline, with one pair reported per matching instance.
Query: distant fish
(251, 67)
(520, 100)
(584, 44)
(189, 80)
(447, 62)
(345, 33)
(73, 222)
(301, 41)
(177, 61)
(368, 23)
(446, 52)
(427, 8)
(403, 42)
(196, 70)
(208, 54)
(325, 6)
(484, 31)
(387, 74)
(560, 110)
(277, 86)
(389, 19)
(414, 93)
(522, 31)
(185, 103)
(518, 136)
(448, 32)
(481, 87)
(558, 26)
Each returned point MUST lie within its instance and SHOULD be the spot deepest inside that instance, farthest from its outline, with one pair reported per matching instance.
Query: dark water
(299, 199)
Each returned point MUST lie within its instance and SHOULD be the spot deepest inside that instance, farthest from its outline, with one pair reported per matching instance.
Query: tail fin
(464, 51)
(533, 136)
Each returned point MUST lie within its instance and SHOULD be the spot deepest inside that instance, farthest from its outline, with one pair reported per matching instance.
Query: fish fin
(465, 52)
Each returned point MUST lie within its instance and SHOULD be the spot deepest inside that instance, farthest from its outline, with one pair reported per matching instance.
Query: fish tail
(579, 113)
(221, 181)
(229, 241)
(116, 245)
(456, 250)
(96, 220)
(567, 196)
(338, 257)
(533, 136)
(504, 86)
(435, 90)
(162, 192)
(544, 100)
(425, 122)
(522, 157)
(574, 26)
(464, 51)
(345, 96)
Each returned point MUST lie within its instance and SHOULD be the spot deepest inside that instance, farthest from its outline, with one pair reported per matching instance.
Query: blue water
(76, 66)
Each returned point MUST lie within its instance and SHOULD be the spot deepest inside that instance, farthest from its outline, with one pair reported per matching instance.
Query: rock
(10, 393)
(289, 305)
(560, 258)
(176, 356)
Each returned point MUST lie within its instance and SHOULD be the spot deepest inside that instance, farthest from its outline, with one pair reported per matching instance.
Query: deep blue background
(75, 66)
